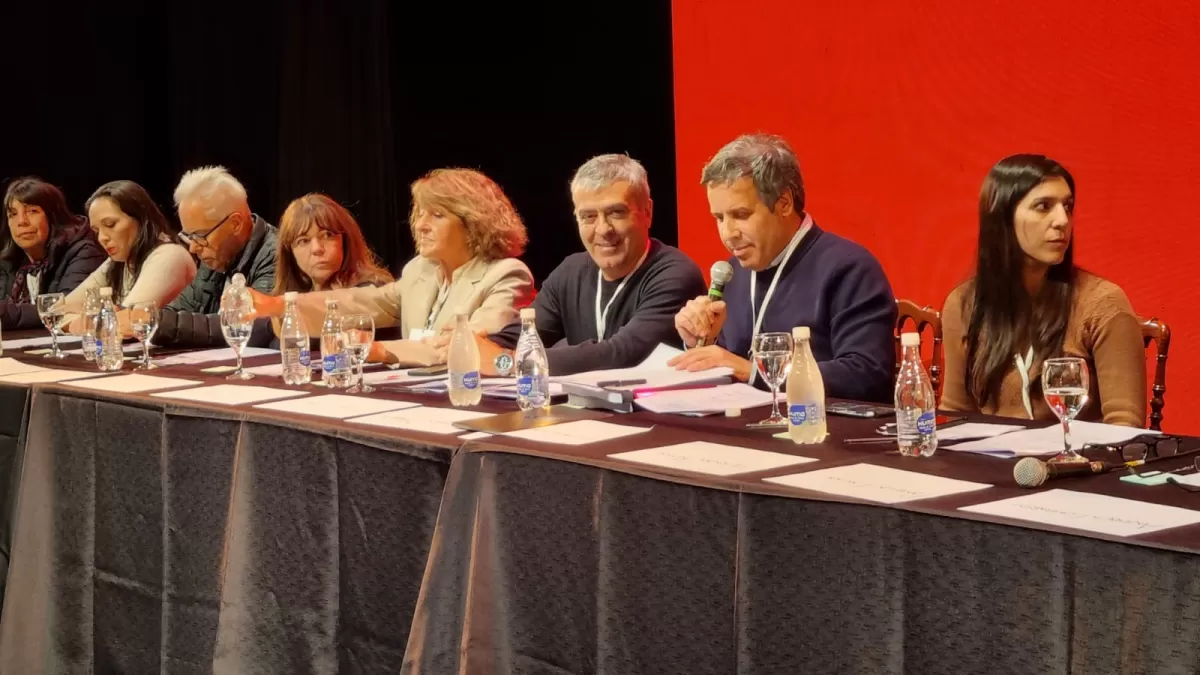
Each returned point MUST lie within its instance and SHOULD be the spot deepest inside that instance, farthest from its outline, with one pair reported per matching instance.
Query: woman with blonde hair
(467, 236)
(322, 248)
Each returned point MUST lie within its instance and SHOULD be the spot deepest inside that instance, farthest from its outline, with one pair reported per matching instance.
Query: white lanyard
(602, 315)
(757, 313)
(1023, 366)
(443, 293)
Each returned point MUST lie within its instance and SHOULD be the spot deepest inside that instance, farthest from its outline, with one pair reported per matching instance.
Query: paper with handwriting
(1089, 512)
(877, 483)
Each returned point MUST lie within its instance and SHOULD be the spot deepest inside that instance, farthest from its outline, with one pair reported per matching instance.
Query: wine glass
(773, 357)
(143, 319)
(358, 332)
(1065, 387)
(236, 325)
(50, 310)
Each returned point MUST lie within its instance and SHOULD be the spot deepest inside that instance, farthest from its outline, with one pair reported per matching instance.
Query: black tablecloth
(14, 411)
(581, 566)
(153, 537)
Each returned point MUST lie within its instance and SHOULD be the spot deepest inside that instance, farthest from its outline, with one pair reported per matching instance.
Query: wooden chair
(1157, 332)
(921, 318)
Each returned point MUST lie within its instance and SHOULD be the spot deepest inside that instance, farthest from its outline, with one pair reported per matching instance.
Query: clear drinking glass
(773, 358)
(143, 319)
(358, 332)
(1065, 387)
(50, 310)
(236, 324)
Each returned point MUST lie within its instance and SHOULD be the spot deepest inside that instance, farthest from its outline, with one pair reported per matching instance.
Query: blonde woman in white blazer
(467, 236)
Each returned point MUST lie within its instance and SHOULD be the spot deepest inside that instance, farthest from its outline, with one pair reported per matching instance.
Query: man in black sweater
(611, 306)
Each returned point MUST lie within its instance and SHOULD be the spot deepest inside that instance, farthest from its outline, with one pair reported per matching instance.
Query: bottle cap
(106, 292)
(528, 313)
(910, 339)
(330, 301)
(239, 279)
(800, 333)
(290, 296)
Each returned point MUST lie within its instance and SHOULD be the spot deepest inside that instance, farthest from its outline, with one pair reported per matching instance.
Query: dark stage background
(355, 98)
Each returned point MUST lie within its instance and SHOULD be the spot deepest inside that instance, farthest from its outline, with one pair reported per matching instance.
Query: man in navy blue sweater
(789, 273)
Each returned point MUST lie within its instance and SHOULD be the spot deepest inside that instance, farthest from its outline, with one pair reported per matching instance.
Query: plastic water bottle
(805, 392)
(335, 363)
(533, 370)
(293, 343)
(462, 362)
(109, 354)
(91, 312)
(916, 407)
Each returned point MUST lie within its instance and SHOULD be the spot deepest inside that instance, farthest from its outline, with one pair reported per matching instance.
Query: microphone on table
(721, 273)
(1033, 472)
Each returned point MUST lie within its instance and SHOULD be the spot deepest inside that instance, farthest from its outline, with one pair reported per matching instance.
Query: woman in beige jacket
(467, 235)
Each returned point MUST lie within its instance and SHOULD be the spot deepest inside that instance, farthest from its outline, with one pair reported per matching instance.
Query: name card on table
(581, 432)
(1090, 512)
(133, 383)
(211, 355)
(714, 459)
(230, 394)
(337, 406)
(877, 483)
(421, 418)
(9, 366)
(44, 375)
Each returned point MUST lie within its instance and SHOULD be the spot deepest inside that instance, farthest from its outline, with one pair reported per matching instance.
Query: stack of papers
(212, 355)
(1049, 440)
(706, 401)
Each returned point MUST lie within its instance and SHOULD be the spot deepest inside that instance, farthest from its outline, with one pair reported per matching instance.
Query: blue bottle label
(470, 380)
(333, 363)
(800, 413)
(524, 386)
(305, 357)
(926, 423)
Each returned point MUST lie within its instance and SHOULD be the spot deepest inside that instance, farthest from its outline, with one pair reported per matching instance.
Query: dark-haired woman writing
(1028, 303)
(44, 249)
(144, 265)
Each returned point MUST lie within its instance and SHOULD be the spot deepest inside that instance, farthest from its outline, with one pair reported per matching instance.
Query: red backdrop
(898, 109)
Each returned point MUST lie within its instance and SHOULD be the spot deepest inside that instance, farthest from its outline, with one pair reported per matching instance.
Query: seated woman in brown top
(1028, 303)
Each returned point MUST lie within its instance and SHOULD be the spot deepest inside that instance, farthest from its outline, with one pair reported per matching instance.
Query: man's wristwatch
(503, 363)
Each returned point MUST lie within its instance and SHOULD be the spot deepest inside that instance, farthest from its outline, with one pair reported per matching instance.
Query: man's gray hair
(603, 170)
(767, 159)
(216, 188)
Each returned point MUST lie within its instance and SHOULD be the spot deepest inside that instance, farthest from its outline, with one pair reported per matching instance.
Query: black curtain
(354, 98)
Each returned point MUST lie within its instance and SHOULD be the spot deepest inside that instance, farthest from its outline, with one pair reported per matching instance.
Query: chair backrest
(1157, 332)
(922, 318)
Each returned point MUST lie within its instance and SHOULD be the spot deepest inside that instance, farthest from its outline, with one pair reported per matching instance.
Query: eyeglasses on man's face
(200, 239)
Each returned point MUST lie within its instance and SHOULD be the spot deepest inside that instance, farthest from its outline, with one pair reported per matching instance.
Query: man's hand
(700, 318)
(711, 356)
(488, 350)
(266, 305)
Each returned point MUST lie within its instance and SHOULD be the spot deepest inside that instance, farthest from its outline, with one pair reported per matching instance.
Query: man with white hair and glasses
(610, 306)
(218, 228)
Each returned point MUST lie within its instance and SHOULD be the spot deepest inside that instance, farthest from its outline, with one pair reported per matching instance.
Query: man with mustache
(611, 306)
(789, 273)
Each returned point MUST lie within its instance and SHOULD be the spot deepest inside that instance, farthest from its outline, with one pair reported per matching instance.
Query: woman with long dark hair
(44, 249)
(1029, 302)
(322, 248)
(144, 264)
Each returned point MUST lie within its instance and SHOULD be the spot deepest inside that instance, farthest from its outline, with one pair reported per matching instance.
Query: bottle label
(89, 344)
(524, 386)
(800, 413)
(305, 357)
(470, 380)
(333, 363)
(926, 423)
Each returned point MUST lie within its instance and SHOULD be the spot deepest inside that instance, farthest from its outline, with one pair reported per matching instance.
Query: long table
(154, 535)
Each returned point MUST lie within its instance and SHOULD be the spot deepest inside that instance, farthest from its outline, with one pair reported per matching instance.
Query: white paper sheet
(1049, 440)
(133, 383)
(25, 343)
(133, 348)
(714, 459)
(1089, 512)
(336, 406)
(10, 366)
(975, 430)
(231, 394)
(422, 418)
(50, 375)
(398, 378)
(474, 436)
(877, 483)
(579, 432)
(709, 400)
(659, 357)
(212, 355)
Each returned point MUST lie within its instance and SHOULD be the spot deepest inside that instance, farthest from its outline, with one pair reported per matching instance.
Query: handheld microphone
(1033, 472)
(721, 273)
